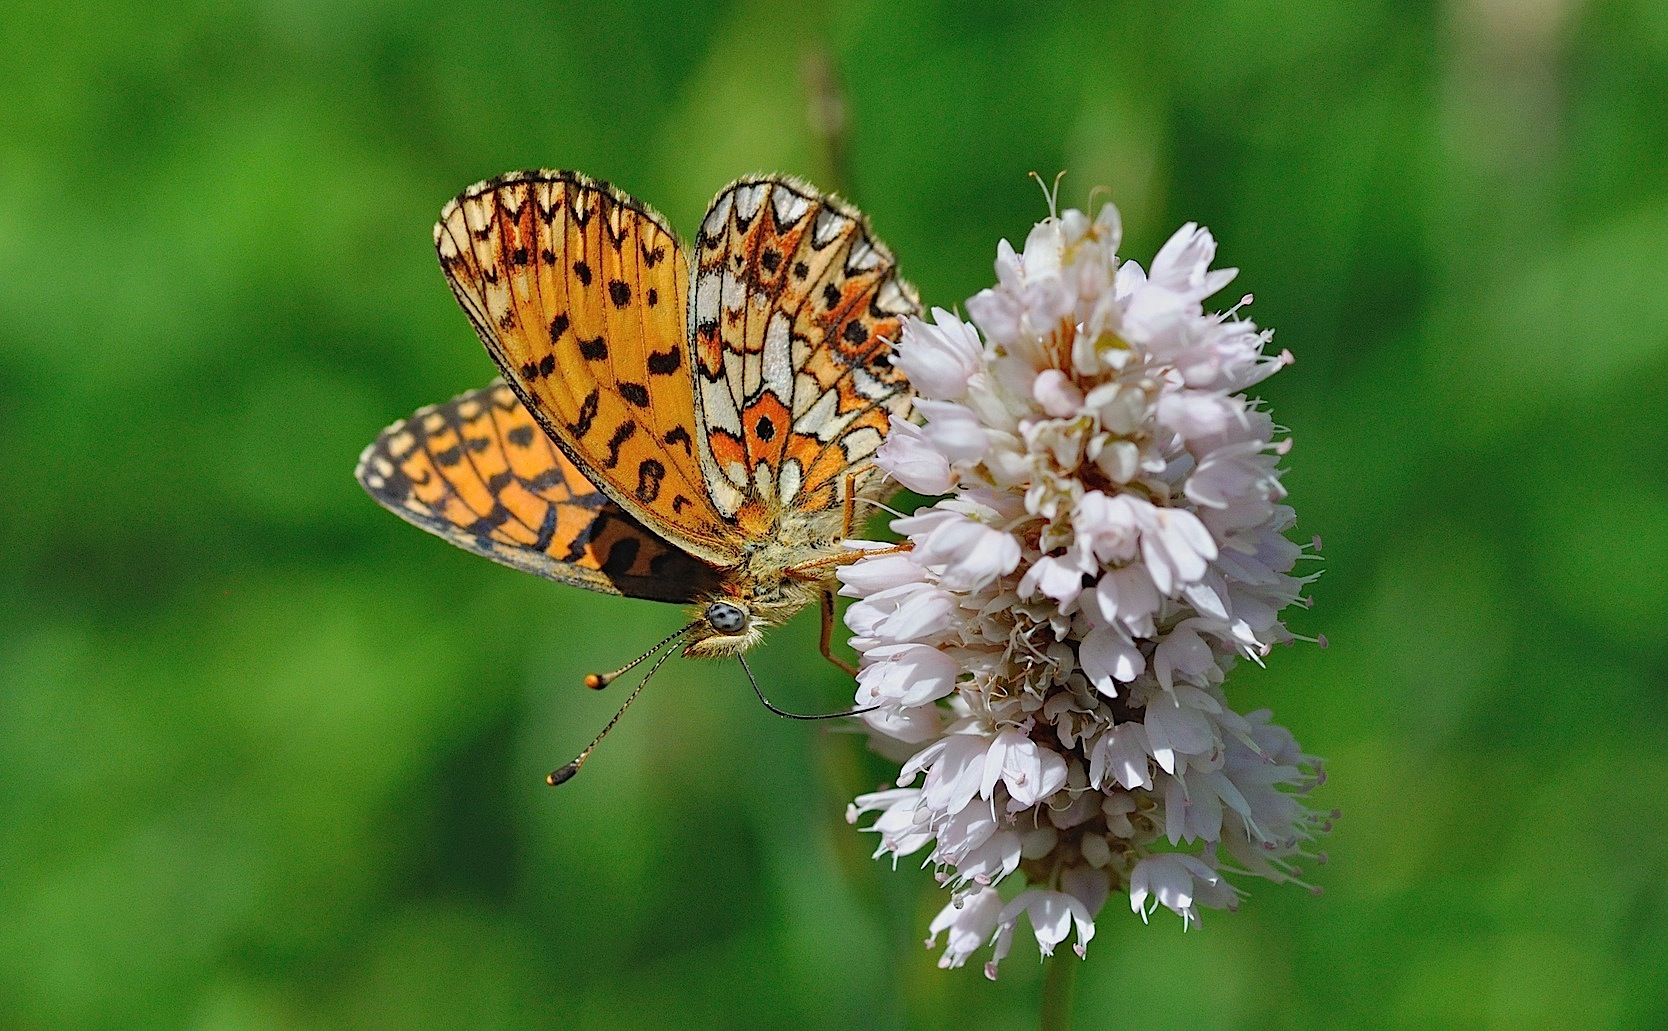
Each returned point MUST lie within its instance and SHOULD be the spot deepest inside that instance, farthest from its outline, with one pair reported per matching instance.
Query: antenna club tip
(563, 775)
(597, 681)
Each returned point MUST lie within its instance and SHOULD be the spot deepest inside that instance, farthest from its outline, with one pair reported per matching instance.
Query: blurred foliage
(271, 759)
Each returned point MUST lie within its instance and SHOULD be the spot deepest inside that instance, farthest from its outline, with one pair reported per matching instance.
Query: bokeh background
(272, 759)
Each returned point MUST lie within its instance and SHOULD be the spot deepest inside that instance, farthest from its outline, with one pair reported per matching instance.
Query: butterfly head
(734, 619)
(726, 626)
(726, 618)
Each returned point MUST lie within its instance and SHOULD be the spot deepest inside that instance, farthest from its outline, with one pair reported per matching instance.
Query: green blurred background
(270, 758)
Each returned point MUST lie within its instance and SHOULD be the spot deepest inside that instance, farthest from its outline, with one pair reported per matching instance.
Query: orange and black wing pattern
(580, 293)
(796, 308)
(481, 473)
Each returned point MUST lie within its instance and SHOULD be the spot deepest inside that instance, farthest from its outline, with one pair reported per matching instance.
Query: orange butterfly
(655, 437)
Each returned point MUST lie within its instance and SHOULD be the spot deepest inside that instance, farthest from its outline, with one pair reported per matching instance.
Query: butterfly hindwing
(580, 293)
(481, 473)
(795, 309)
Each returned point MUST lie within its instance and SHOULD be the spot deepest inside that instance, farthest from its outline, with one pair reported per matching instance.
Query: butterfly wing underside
(479, 472)
(795, 310)
(580, 292)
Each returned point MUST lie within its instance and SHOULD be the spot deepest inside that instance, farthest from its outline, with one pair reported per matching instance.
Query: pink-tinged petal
(877, 573)
(1170, 879)
(909, 726)
(941, 356)
(1053, 915)
(1183, 652)
(1109, 658)
(1127, 596)
(1057, 394)
(1174, 729)
(905, 676)
(954, 430)
(912, 460)
(970, 553)
(1054, 576)
(970, 921)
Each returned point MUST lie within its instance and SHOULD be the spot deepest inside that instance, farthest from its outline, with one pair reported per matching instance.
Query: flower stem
(1057, 992)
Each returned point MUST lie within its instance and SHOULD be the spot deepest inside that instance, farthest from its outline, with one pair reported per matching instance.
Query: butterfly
(689, 425)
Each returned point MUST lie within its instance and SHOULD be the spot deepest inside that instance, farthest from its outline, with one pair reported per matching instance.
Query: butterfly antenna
(794, 715)
(598, 681)
(563, 774)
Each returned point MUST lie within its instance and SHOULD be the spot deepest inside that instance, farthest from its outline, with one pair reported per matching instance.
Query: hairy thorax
(779, 575)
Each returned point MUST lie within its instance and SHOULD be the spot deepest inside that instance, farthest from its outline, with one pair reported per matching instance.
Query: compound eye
(726, 618)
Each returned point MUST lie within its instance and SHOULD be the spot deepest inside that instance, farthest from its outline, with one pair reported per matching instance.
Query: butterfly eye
(726, 618)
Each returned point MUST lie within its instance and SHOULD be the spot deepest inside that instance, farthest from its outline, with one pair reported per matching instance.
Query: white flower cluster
(1047, 659)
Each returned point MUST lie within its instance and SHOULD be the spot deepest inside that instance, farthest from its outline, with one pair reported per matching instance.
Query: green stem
(1057, 991)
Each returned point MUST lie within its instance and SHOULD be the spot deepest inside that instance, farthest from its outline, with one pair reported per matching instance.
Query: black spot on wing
(547, 479)
(583, 271)
(543, 367)
(547, 529)
(621, 556)
(581, 213)
(484, 526)
(664, 363)
(621, 435)
(650, 474)
(636, 393)
(587, 414)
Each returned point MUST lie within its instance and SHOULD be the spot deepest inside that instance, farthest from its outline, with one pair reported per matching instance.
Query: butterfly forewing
(795, 310)
(481, 473)
(580, 294)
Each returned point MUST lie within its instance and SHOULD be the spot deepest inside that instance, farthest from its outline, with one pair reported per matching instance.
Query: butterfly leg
(805, 570)
(851, 504)
(847, 558)
(828, 635)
